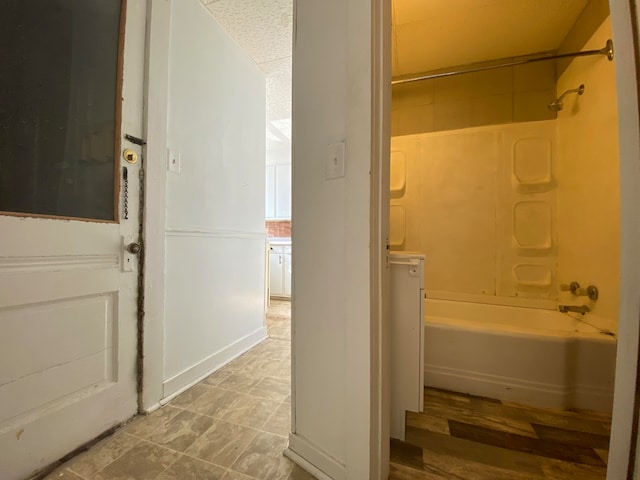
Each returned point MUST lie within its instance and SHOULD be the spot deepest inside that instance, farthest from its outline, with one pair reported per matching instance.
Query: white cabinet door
(270, 201)
(68, 313)
(275, 274)
(283, 191)
(287, 274)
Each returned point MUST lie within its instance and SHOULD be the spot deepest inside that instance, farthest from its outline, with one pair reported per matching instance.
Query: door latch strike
(136, 140)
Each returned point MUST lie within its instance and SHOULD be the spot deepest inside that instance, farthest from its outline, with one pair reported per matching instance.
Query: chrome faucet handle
(592, 292)
(573, 287)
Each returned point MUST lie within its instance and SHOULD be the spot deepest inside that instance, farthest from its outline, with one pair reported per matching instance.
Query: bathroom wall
(215, 231)
(335, 327)
(481, 204)
(588, 176)
(506, 95)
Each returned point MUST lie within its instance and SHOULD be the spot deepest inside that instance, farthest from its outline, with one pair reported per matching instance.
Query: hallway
(231, 426)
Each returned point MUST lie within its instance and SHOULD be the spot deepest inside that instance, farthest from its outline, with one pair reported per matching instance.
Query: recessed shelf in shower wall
(398, 174)
(532, 227)
(530, 276)
(532, 164)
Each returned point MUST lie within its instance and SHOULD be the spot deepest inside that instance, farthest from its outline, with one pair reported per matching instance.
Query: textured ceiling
(263, 29)
(434, 34)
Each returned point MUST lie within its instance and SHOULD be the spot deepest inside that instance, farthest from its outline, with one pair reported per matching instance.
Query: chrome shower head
(557, 104)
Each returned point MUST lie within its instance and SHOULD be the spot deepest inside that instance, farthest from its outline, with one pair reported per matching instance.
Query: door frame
(626, 412)
(622, 454)
(156, 119)
(379, 254)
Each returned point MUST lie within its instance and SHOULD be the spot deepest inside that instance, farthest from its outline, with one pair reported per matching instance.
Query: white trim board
(546, 395)
(180, 382)
(197, 231)
(314, 460)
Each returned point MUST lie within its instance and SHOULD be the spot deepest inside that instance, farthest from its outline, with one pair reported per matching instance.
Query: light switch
(173, 161)
(335, 161)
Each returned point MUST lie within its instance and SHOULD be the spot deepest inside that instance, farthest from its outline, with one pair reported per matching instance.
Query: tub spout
(574, 308)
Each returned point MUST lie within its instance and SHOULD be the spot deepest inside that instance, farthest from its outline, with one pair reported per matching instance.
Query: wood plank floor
(475, 438)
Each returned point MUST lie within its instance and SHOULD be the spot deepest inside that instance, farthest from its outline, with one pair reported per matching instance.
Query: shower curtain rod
(607, 50)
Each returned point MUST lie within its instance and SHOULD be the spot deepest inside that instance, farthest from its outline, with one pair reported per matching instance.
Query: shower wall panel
(527, 211)
(480, 203)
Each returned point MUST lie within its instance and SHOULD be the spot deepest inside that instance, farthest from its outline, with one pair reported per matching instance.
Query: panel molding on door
(62, 368)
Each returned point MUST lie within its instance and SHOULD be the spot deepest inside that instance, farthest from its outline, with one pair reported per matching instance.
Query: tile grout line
(185, 452)
(115, 459)
(267, 356)
(168, 466)
(241, 453)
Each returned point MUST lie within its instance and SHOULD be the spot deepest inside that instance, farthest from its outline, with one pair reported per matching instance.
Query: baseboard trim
(184, 380)
(151, 408)
(495, 386)
(517, 390)
(592, 398)
(313, 459)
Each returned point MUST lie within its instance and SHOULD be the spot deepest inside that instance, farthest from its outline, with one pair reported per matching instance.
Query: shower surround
(482, 204)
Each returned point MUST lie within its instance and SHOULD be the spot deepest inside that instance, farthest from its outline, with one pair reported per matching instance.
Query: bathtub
(536, 357)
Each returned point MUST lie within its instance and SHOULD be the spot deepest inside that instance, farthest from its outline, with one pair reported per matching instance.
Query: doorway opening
(516, 208)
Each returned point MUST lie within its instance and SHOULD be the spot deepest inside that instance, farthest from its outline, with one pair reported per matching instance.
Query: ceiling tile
(263, 28)
(278, 80)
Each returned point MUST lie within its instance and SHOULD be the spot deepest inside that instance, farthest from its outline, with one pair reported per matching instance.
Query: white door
(68, 308)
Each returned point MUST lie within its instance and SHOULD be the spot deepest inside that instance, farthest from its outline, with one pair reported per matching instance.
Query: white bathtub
(536, 357)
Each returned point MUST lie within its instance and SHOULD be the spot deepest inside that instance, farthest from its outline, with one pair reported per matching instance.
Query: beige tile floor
(231, 426)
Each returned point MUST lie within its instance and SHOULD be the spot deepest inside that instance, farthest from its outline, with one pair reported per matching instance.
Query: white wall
(492, 97)
(280, 154)
(332, 315)
(589, 181)
(215, 254)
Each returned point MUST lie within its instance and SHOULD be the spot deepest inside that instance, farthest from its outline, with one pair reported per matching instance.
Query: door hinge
(136, 140)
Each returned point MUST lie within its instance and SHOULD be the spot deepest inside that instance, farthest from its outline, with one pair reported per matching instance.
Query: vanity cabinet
(280, 271)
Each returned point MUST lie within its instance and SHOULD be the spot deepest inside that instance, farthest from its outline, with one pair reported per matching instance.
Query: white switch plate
(335, 161)
(174, 163)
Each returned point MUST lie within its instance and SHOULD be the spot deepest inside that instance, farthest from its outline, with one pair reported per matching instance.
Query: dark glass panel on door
(59, 80)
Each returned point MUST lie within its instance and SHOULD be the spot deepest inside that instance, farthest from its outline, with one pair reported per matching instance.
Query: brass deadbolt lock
(130, 156)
